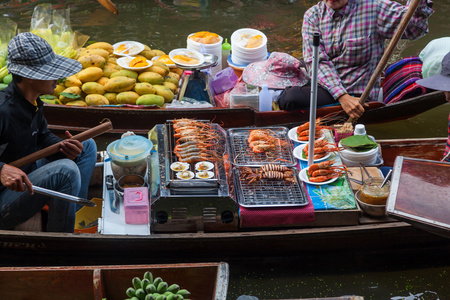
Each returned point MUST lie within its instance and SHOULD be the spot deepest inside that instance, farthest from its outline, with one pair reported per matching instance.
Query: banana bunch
(60, 43)
(155, 289)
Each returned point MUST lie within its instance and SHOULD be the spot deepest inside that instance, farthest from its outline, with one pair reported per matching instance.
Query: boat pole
(388, 52)
(313, 100)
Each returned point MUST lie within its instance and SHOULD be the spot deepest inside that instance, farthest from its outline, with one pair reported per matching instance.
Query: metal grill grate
(269, 193)
(244, 156)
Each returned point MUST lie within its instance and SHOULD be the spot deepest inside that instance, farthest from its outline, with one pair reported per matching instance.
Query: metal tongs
(62, 196)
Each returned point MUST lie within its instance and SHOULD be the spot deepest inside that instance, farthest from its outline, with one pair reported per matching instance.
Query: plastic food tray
(242, 154)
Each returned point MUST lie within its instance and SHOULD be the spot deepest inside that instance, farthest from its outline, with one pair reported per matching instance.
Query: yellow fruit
(177, 70)
(150, 99)
(127, 97)
(148, 54)
(173, 74)
(127, 73)
(76, 103)
(120, 84)
(171, 86)
(147, 48)
(103, 80)
(164, 92)
(92, 60)
(103, 53)
(110, 68)
(172, 80)
(59, 88)
(92, 88)
(71, 90)
(161, 65)
(156, 69)
(143, 88)
(72, 81)
(112, 59)
(90, 74)
(159, 52)
(111, 97)
(102, 45)
(151, 77)
(96, 99)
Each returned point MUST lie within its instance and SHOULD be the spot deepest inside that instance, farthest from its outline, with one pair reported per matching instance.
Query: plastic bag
(8, 30)
(54, 27)
(224, 81)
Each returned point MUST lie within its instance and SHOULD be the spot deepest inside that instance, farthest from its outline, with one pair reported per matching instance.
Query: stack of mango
(102, 81)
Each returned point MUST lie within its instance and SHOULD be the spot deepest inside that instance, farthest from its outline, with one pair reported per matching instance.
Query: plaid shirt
(352, 40)
(447, 147)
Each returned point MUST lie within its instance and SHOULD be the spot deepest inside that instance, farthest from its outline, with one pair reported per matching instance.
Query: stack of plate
(215, 49)
(240, 54)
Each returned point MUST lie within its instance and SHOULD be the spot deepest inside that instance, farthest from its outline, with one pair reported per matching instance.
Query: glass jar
(372, 193)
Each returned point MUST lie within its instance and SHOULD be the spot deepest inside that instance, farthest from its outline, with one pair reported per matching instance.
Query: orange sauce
(186, 59)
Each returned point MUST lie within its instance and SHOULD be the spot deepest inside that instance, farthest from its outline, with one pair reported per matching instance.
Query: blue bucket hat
(30, 56)
(439, 82)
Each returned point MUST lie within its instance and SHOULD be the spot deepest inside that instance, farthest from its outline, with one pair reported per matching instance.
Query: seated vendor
(35, 69)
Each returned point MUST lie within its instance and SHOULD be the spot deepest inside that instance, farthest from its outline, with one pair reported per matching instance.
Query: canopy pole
(313, 101)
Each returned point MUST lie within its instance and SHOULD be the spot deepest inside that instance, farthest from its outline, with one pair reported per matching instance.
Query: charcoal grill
(189, 205)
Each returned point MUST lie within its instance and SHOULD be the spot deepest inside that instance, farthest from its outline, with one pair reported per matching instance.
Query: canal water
(165, 25)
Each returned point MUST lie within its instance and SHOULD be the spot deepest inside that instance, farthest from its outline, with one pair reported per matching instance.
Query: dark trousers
(296, 97)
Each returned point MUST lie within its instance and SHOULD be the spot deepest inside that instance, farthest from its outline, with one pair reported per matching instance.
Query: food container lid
(129, 149)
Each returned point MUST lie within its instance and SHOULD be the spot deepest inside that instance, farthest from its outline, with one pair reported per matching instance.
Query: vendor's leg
(297, 97)
(86, 164)
(62, 176)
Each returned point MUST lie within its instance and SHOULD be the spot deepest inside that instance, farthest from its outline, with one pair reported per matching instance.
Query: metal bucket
(125, 181)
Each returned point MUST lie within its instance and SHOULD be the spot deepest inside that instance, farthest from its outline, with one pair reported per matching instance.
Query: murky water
(165, 25)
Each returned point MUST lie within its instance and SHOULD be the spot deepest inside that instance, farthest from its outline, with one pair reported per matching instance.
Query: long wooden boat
(368, 236)
(202, 280)
(76, 119)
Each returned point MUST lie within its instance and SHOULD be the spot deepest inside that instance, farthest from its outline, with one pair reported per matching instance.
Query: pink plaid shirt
(353, 40)
(447, 147)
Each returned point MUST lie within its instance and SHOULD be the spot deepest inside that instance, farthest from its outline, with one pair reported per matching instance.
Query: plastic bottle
(226, 49)
(360, 129)
(265, 99)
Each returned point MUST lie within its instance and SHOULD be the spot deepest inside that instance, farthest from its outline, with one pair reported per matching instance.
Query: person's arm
(391, 14)
(14, 178)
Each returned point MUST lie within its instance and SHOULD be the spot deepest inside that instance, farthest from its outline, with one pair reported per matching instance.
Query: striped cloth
(400, 80)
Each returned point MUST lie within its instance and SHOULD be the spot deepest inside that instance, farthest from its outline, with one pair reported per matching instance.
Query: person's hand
(351, 106)
(69, 147)
(14, 178)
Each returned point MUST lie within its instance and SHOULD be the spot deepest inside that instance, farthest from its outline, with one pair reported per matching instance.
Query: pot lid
(129, 148)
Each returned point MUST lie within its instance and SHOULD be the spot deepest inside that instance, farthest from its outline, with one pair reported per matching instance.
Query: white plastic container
(351, 158)
(215, 49)
(240, 54)
(265, 99)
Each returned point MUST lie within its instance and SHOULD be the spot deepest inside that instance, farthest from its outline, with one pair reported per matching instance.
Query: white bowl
(195, 44)
(366, 156)
(190, 53)
(134, 48)
(370, 209)
(240, 37)
(124, 62)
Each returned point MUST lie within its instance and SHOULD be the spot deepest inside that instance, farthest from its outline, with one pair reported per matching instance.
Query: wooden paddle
(90, 133)
(388, 52)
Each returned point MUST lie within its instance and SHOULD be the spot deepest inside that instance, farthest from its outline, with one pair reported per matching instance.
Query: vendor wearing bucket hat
(441, 82)
(23, 130)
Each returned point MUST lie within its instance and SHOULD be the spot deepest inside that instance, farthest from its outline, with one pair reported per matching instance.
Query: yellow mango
(102, 45)
(148, 54)
(120, 84)
(76, 103)
(59, 88)
(71, 90)
(127, 97)
(103, 53)
(173, 74)
(177, 70)
(172, 80)
(143, 88)
(146, 48)
(110, 68)
(92, 60)
(93, 88)
(127, 73)
(112, 59)
(156, 69)
(161, 65)
(150, 99)
(90, 74)
(159, 52)
(72, 81)
(166, 93)
(171, 86)
(103, 80)
(151, 77)
(111, 97)
(96, 99)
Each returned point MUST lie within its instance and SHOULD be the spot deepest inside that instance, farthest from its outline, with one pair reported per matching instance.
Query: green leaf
(359, 143)
(70, 95)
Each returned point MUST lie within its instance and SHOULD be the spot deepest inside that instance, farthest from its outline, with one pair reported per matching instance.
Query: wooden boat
(368, 236)
(76, 119)
(202, 280)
